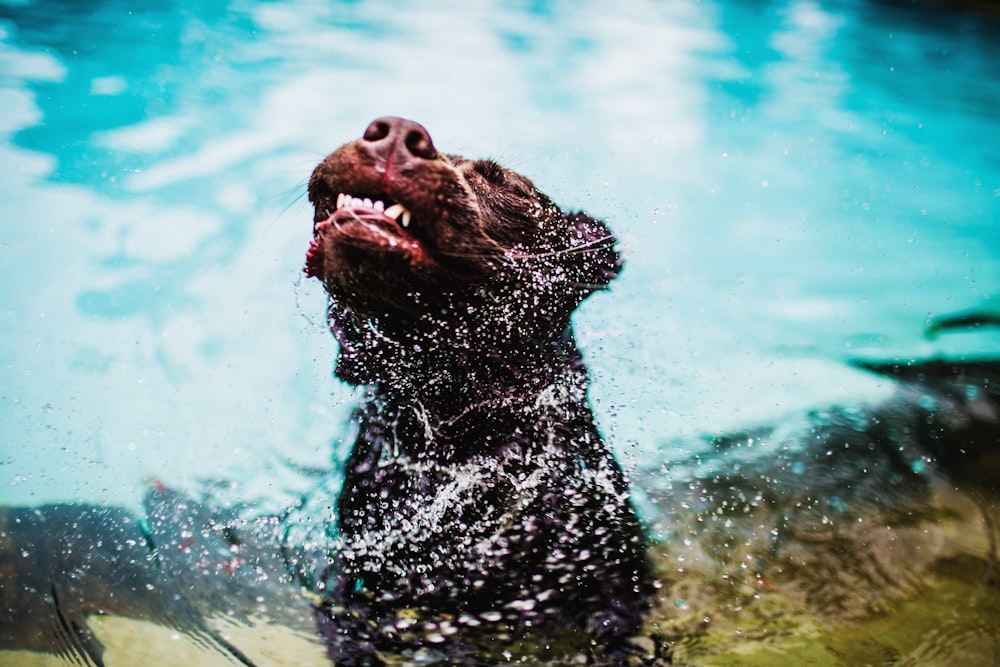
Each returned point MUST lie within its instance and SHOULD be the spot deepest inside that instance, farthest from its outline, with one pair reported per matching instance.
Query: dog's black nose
(398, 140)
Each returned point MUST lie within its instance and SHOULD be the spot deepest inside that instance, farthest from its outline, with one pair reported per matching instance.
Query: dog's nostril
(379, 129)
(419, 143)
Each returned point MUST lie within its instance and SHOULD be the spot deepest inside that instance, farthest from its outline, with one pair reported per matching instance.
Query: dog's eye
(491, 171)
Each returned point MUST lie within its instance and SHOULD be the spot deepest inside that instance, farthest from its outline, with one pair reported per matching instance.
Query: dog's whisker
(589, 287)
(595, 246)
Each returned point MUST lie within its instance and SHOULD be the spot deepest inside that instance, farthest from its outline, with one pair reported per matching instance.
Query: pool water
(796, 184)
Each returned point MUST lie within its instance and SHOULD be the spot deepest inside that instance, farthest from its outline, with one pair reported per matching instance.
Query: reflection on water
(796, 183)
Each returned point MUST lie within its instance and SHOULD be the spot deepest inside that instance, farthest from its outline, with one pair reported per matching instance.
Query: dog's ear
(589, 253)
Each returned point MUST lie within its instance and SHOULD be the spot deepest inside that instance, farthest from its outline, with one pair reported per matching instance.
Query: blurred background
(794, 183)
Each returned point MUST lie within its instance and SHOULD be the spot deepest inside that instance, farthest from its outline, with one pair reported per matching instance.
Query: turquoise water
(794, 183)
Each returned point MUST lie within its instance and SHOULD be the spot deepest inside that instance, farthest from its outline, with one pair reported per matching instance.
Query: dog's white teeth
(347, 201)
(396, 211)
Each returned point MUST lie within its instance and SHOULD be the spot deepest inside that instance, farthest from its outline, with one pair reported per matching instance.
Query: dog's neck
(448, 404)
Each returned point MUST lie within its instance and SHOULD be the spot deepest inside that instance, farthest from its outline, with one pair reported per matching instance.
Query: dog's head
(423, 252)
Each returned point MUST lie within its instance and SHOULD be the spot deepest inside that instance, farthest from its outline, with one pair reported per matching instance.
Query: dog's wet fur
(479, 498)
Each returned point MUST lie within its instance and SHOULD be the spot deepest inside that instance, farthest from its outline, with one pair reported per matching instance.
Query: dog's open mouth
(397, 212)
(378, 215)
(376, 224)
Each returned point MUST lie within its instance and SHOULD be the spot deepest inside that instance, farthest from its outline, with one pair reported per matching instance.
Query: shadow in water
(179, 567)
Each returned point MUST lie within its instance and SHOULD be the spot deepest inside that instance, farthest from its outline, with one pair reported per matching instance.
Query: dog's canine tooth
(405, 219)
(394, 211)
(341, 200)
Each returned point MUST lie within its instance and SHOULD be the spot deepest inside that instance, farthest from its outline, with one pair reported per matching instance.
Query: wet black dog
(479, 499)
